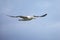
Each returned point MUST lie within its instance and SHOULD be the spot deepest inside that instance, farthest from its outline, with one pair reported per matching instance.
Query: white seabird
(26, 18)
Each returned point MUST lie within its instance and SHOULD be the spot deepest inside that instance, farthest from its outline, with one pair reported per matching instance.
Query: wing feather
(41, 16)
(24, 17)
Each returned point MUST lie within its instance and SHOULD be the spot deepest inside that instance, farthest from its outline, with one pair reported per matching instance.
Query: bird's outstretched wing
(41, 15)
(17, 16)
(12, 16)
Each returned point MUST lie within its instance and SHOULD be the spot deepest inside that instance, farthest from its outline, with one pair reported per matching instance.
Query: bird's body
(27, 18)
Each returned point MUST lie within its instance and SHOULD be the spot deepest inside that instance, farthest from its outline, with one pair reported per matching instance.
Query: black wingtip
(43, 15)
(11, 16)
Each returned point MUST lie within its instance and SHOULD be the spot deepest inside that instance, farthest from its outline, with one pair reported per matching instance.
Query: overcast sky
(47, 28)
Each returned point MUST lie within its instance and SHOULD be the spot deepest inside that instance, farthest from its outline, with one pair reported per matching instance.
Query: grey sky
(47, 28)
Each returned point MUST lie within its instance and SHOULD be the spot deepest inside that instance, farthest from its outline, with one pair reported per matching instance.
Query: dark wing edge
(43, 15)
(12, 16)
(17, 16)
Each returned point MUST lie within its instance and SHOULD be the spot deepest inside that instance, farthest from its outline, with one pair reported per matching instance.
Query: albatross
(26, 18)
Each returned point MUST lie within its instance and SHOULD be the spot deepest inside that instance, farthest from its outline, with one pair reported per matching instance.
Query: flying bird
(27, 18)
